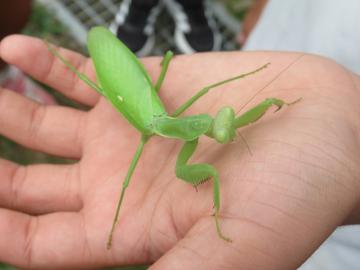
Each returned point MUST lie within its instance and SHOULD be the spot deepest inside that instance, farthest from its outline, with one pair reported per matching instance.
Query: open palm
(279, 200)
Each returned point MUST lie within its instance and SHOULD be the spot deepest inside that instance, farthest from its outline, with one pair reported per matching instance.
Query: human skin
(278, 204)
(251, 19)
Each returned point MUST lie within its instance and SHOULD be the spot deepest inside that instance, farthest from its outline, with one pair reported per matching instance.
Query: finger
(23, 52)
(39, 189)
(199, 250)
(54, 241)
(52, 129)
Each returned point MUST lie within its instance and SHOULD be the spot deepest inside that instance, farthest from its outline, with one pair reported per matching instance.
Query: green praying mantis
(123, 80)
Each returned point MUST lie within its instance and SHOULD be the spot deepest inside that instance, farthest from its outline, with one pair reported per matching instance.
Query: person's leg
(195, 27)
(134, 24)
(145, 3)
(251, 19)
(191, 3)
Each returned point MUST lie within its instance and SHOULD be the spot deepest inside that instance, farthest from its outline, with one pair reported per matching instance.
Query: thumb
(201, 248)
(254, 246)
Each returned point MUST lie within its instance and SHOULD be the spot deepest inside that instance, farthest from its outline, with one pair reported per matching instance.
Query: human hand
(277, 205)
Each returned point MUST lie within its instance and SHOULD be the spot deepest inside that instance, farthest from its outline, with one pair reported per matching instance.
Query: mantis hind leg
(80, 75)
(196, 174)
(124, 187)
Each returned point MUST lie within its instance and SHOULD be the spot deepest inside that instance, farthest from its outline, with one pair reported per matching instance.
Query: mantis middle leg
(196, 174)
(206, 89)
(164, 68)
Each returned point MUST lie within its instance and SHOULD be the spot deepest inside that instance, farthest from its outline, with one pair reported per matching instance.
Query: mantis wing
(124, 80)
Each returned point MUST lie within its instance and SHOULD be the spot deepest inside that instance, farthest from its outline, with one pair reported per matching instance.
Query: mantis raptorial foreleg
(206, 89)
(164, 68)
(226, 123)
(195, 174)
(259, 110)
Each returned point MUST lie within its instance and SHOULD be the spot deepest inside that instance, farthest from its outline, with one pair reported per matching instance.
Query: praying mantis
(123, 80)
